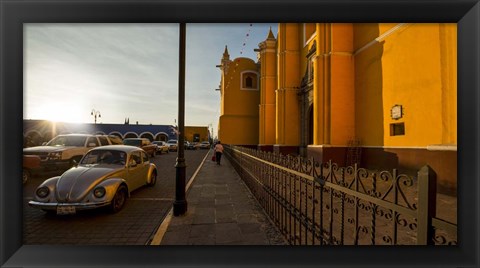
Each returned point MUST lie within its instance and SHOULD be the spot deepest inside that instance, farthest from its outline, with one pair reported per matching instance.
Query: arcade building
(39, 131)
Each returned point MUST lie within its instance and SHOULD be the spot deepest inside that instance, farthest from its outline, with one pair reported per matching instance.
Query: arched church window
(249, 81)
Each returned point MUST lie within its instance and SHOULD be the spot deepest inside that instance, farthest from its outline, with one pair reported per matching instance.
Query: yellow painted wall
(239, 117)
(448, 61)
(369, 115)
(237, 101)
(411, 67)
(190, 131)
(237, 129)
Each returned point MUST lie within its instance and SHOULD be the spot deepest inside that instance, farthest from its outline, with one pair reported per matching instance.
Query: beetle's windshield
(78, 141)
(110, 157)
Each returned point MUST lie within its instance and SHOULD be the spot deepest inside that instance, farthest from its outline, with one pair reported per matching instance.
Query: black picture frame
(14, 13)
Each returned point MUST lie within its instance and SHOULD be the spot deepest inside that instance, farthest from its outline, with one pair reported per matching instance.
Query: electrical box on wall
(397, 129)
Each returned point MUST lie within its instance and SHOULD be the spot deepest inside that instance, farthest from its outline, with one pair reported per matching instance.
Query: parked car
(205, 145)
(64, 151)
(114, 140)
(172, 145)
(162, 147)
(189, 146)
(105, 177)
(196, 145)
(143, 143)
(31, 165)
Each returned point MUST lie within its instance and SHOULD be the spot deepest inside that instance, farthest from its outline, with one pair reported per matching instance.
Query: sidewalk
(221, 211)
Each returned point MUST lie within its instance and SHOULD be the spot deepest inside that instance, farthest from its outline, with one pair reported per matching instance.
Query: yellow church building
(383, 95)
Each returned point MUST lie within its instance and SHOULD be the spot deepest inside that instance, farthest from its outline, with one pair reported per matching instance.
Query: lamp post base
(179, 208)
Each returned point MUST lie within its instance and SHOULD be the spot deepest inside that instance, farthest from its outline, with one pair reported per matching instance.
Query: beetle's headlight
(42, 192)
(99, 192)
(55, 156)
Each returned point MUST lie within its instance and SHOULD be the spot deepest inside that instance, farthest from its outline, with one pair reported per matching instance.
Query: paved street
(134, 225)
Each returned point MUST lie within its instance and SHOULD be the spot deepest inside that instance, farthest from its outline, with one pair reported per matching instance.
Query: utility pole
(180, 204)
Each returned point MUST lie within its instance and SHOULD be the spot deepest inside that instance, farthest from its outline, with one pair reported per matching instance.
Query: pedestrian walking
(218, 152)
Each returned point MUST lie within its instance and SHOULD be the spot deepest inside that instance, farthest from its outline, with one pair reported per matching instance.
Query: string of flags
(245, 42)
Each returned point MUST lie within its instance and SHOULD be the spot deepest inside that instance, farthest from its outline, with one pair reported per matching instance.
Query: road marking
(151, 199)
(196, 171)
(157, 238)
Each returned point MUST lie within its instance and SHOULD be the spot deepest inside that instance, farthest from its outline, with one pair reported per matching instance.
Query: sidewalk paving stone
(221, 211)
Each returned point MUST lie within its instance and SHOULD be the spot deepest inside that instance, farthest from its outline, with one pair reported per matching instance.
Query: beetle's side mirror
(44, 143)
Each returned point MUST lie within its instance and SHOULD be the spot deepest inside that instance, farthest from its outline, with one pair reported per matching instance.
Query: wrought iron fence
(323, 204)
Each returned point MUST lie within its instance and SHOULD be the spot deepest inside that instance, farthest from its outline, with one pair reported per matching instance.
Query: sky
(129, 70)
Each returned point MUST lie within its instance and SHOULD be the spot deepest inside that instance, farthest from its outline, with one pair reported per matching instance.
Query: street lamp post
(211, 132)
(180, 204)
(95, 113)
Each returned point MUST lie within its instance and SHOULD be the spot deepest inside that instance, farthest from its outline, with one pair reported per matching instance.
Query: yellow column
(321, 87)
(287, 108)
(279, 96)
(268, 62)
(342, 93)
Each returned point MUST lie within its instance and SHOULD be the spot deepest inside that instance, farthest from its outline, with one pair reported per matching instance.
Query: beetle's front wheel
(119, 199)
(153, 179)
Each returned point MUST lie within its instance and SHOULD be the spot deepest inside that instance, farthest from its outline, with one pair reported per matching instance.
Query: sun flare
(63, 112)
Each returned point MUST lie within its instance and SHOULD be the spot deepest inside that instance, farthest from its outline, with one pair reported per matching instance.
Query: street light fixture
(95, 113)
(211, 138)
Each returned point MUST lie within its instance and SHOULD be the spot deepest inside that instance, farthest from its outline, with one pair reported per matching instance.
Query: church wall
(239, 120)
(238, 101)
(411, 67)
(369, 114)
(239, 129)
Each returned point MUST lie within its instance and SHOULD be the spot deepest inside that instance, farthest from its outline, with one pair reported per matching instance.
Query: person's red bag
(213, 158)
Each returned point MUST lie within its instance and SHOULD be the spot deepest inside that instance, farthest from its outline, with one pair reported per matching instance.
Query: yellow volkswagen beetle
(105, 177)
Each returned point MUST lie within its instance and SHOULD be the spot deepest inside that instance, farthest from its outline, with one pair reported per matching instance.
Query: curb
(162, 229)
